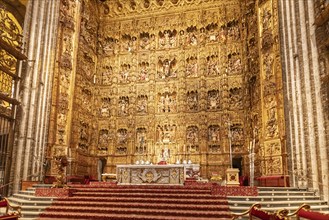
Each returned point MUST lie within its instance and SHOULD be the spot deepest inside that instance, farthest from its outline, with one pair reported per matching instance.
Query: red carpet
(195, 201)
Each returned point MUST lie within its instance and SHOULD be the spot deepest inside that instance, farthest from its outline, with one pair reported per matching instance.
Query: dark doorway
(237, 163)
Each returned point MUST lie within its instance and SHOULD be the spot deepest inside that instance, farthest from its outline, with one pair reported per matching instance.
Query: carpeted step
(81, 211)
(114, 216)
(145, 205)
(211, 200)
(144, 195)
(141, 190)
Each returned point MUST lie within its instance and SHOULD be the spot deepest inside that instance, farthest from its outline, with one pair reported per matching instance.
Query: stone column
(305, 118)
(39, 30)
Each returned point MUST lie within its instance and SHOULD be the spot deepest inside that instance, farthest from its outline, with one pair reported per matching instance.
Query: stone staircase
(277, 198)
(31, 205)
(271, 199)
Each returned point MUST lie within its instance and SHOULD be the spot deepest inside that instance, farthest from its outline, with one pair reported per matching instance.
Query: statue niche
(144, 68)
(212, 64)
(166, 133)
(191, 68)
(106, 74)
(213, 100)
(125, 73)
(167, 102)
(122, 141)
(167, 39)
(213, 134)
(105, 107)
(144, 41)
(129, 43)
(166, 68)
(212, 32)
(141, 142)
(192, 133)
(234, 63)
(235, 98)
(192, 100)
(123, 105)
(109, 46)
(141, 104)
(191, 37)
(103, 140)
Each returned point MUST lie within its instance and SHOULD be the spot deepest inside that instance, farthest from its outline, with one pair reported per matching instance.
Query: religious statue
(165, 154)
(60, 162)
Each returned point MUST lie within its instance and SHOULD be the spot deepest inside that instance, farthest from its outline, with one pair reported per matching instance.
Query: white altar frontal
(172, 174)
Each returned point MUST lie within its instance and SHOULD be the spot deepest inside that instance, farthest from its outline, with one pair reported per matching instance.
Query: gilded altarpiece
(170, 83)
(175, 80)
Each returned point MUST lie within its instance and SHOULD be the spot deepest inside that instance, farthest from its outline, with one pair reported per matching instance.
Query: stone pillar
(39, 30)
(306, 132)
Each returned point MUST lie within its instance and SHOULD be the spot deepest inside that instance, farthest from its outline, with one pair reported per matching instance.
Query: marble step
(272, 198)
(35, 202)
(276, 203)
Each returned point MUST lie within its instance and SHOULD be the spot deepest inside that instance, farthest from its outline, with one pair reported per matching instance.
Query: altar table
(151, 174)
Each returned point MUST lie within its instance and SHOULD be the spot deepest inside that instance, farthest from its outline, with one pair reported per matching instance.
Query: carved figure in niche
(271, 124)
(110, 45)
(132, 45)
(167, 39)
(182, 39)
(123, 105)
(165, 154)
(236, 101)
(167, 102)
(192, 67)
(233, 30)
(122, 136)
(213, 100)
(141, 140)
(144, 69)
(192, 133)
(152, 42)
(129, 43)
(202, 36)
(144, 42)
(67, 44)
(213, 133)
(125, 69)
(266, 19)
(166, 133)
(142, 104)
(106, 75)
(237, 133)
(212, 32)
(103, 139)
(192, 100)
(212, 65)
(268, 65)
(84, 131)
(222, 35)
(166, 68)
(159, 134)
(191, 36)
(105, 107)
(234, 63)
(169, 133)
